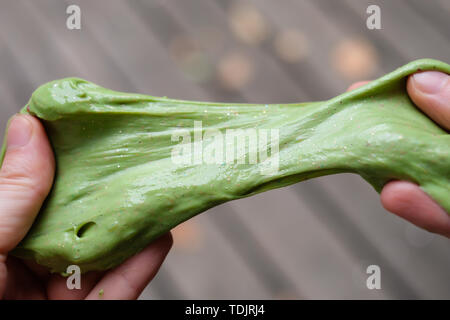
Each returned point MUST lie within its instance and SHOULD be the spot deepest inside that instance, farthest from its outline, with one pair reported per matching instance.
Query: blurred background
(311, 240)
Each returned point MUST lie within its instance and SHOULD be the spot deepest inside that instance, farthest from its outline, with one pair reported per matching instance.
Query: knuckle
(17, 176)
(17, 183)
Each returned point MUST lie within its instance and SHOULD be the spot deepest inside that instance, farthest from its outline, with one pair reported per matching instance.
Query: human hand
(430, 91)
(26, 177)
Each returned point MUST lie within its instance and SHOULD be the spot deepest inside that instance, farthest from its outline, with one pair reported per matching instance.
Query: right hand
(430, 91)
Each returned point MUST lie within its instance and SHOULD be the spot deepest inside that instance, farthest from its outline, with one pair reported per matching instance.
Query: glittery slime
(117, 186)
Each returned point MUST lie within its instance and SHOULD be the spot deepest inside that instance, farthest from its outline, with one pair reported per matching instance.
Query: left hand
(26, 177)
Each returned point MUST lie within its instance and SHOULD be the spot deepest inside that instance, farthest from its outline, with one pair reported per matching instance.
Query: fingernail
(19, 131)
(430, 82)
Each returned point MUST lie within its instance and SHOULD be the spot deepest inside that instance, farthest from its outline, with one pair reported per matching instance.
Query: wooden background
(311, 240)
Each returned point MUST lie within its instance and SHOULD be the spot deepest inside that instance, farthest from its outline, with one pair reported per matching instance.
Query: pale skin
(26, 177)
(27, 174)
(430, 91)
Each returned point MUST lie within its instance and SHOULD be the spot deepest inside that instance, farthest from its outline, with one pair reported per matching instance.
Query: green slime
(117, 187)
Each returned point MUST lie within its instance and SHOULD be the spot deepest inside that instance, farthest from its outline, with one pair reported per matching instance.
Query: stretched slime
(118, 187)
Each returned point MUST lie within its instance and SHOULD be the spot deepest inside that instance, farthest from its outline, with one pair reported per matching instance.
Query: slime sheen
(117, 187)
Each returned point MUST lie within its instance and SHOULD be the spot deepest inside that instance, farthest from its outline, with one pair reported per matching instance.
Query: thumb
(430, 91)
(26, 177)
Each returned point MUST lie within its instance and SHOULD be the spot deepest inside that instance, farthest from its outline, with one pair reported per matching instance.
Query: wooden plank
(285, 91)
(411, 250)
(182, 15)
(434, 14)
(337, 184)
(249, 241)
(39, 55)
(406, 289)
(98, 66)
(179, 87)
(273, 284)
(111, 52)
(321, 264)
(66, 63)
(432, 285)
(321, 37)
(45, 12)
(14, 87)
(443, 4)
(166, 29)
(300, 18)
(411, 34)
(348, 232)
(164, 286)
(212, 269)
(135, 51)
(351, 25)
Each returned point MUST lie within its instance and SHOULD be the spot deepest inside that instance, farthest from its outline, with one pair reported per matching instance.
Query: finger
(430, 91)
(40, 271)
(21, 283)
(408, 201)
(57, 286)
(25, 178)
(356, 85)
(3, 275)
(129, 279)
